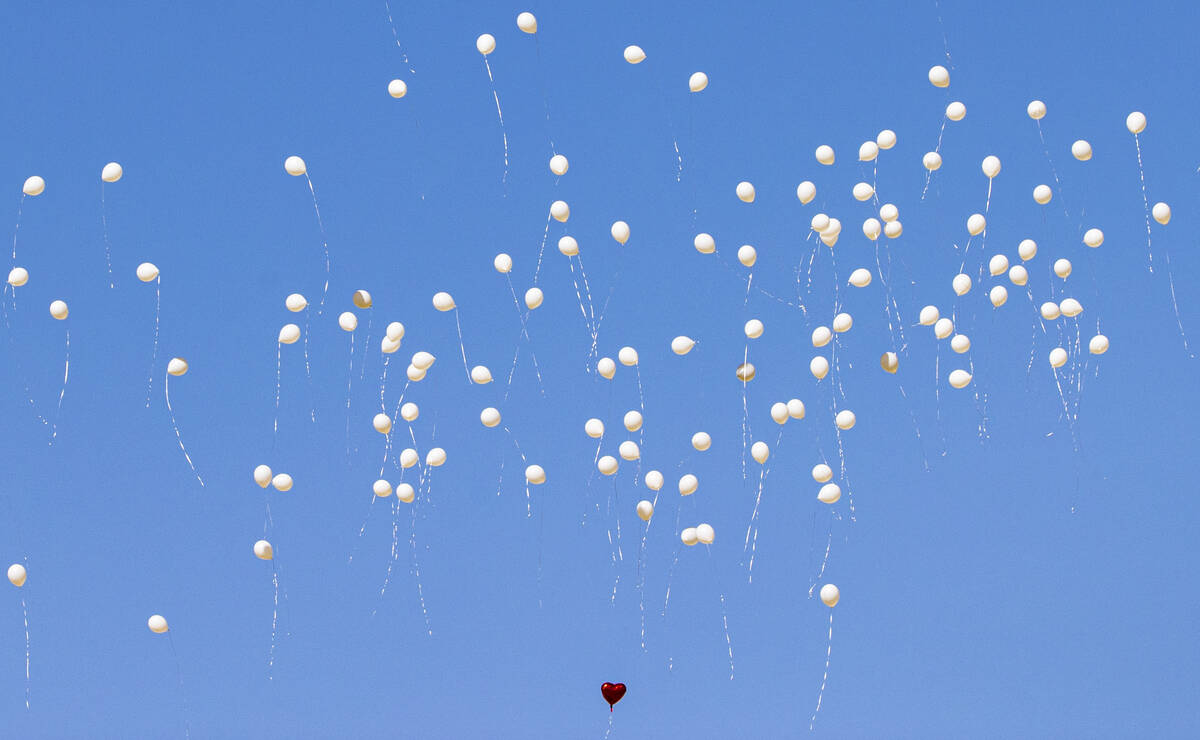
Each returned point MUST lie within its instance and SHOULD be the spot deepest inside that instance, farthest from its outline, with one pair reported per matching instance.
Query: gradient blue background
(1014, 589)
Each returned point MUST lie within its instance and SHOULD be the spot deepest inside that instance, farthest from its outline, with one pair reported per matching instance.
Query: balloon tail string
(824, 678)
(462, 348)
(187, 720)
(752, 542)
(936, 150)
(824, 559)
(674, 562)
(500, 115)
(175, 425)
(362, 366)
(362, 529)
(396, 38)
(62, 391)
(1175, 303)
(587, 288)
(107, 244)
(537, 47)
(16, 230)
(614, 545)
(349, 384)
(724, 611)
(312, 411)
(274, 622)
(395, 554)
(579, 297)
(912, 413)
(416, 569)
(745, 412)
(278, 377)
(1053, 169)
(154, 352)
(541, 251)
(524, 319)
(1137, 143)
(25, 616)
(324, 242)
(524, 461)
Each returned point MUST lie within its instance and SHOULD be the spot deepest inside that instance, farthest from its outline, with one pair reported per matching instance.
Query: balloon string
(361, 529)
(63, 391)
(349, 383)
(537, 46)
(395, 555)
(178, 436)
(362, 366)
(396, 38)
(1053, 170)
(545, 235)
(324, 242)
(936, 150)
(16, 229)
(383, 386)
(579, 297)
(312, 410)
(25, 616)
(499, 114)
(751, 544)
(1145, 199)
(916, 426)
(274, 622)
(154, 353)
(416, 568)
(937, 394)
(745, 411)
(528, 495)
(642, 572)
(187, 721)
(107, 244)
(724, 611)
(524, 318)
(825, 677)
(462, 347)
(674, 562)
(825, 558)
(278, 376)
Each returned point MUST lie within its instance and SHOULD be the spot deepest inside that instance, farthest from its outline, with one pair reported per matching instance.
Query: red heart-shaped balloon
(612, 692)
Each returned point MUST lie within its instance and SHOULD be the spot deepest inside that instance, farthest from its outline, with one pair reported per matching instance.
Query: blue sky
(1015, 588)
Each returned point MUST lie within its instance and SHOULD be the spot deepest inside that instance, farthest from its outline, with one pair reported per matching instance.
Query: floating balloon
(606, 367)
(1062, 268)
(503, 263)
(932, 161)
(348, 321)
(819, 222)
(568, 246)
(397, 88)
(645, 510)
(681, 345)
(480, 375)
(819, 367)
(559, 164)
(1093, 237)
(886, 139)
(628, 450)
(423, 360)
(961, 284)
(701, 441)
(1070, 307)
(16, 574)
(382, 423)
(361, 299)
(33, 186)
(1135, 122)
(1098, 344)
(294, 302)
(779, 412)
(157, 624)
(697, 82)
(890, 362)
(745, 372)
(1050, 311)
(560, 211)
(998, 295)
(892, 229)
(654, 480)
(795, 408)
(956, 111)
(868, 151)
(821, 336)
(382, 488)
(486, 43)
(1081, 150)
(535, 474)
(960, 343)
(976, 224)
(1036, 110)
(745, 192)
(822, 473)
(415, 374)
(1018, 275)
(405, 492)
(805, 192)
(443, 302)
(395, 331)
(998, 264)
(753, 328)
(689, 536)
(943, 328)
(289, 334)
(612, 693)
(632, 420)
(490, 417)
(760, 451)
(830, 595)
(1161, 213)
(620, 231)
(388, 345)
(862, 191)
(704, 533)
(628, 356)
(688, 485)
(634, 54)
(705, 244)
(829, 493)
(534, 298)
(282, 482)
(824, 154)
(435, 457)
(262, 476)
(991, 166)
(410, 411)
(295, 166)
(1042, 194)
(607, 465)
(594, 428)
(939, 76)
(18, 276)
(112, 172)
(959, 378)
(928, 316)
(177, 366)
(408, 457)
(264, 551)
(527, 22)
(747, 255)
(842, 323)
(58, 309)
(1058, 357)
(872, 228)
(860, 278)
(1027, 249)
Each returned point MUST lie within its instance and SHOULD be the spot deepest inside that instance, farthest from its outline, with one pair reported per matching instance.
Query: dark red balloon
(612, 693)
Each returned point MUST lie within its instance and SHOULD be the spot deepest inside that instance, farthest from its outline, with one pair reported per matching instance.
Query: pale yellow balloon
(1062, 268)
(939, 76)
(960, 343)
(405, 492)
(415, 374)
(534, 298)
(1161, 213)
(18, 276)
(382, 423)
(860, 278)
(976, 223)
(480, 375)
(886, 139)
(1098, 344)
(410, 411)
(697, 82)
(1081, 150)
(1070, 307)
(559, 164)
(294, 302)
(264, 551)
(620, 231)
(795, 408)
(819, 367)
(490, 417)
(704, 244)
(58, 309)
(893, 229)
(1042, 194)
(33, 186)
(289, 334)
(1027, 249)
(560, 211)
(606, 367)
(1036, 110)
(527, 22)
(397, 88)
(890, 362)
(845, 419)
(645, 510)
(295, 166)
(943, 328)
(681, 345)
(442, 301)
(177, 366)
(654, 480)
(822, 473)
(956, 111)
(535, 474)
(862, 191)
(1093, 237)
(1050, 311)
(745, 192)
(382, 488)
(779, 412)
(361, 299)
(824, 155)
(607, 465)
(688, 485)
(1018, 275)
(1135, 122)
(805, 192)
(423, 360)
(829, 493)
(745, 372)
(830, 595)
(1058, 357)
(486, 43)
(157, 624)
(348, 321)
(889, 212)
(821, 336)
(932, 161)
(998, 264)
(959, 379)
(842, 323)
(689, 536)
(628, 450)
(628, 356)
(282, 482)
(998, 295)
(872, 228)
(705, 533)
(262, 476)
(634, 54)
(961, 283)
(990, 166)
(701, 441)
(753, 329)
(112, 172)
(760, 452)
(928, 316)
(868, 151)
(632, 420)
(436, 457)
(408, 458)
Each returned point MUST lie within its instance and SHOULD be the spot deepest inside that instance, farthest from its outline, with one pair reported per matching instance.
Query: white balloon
(645, 510)
(829, 493)
(395, 331)
(294, 302)
(805, 192)
(701, 441)
(959, 378)
(932, 161)
(408, 458)
(593, 428)
(1081, 150)
(747, 255)
(58, 309)
(956, 111)
(889, 212)
(405, 492)
(177, 366)
(410, 411)
(1093, 237)
(264, 551)
(961, 283)
(998, 295)
(348, 321)
(262, 476)
(382, 488)
(397, 88)
(830, 595)
(534, 298)
(753, 329)
(960, 343)
(760, 451)
(628, 356)
(779, 412)
(1027, 249)
(480, 375)
(1135, 122)
(745, 192)
(33, 186)
(568, 246)
(415, 374)
(688, 485)
(1036, 109)
(1161, 213)
(295, 166)
(1062, 267)
(560, 211)
(282, 482)
(628, 450)
(157, 624)
(559, 164)
(943, 328)
(486, 43)
(990, 166)
(704, 533)
(842, 323)
(821, 336)
(1050, 311)
(862, 191)
(289, 334)
(632, 420)
(893, 229)
(681, 345)
(819, 222)
(606, 367)
(620, 231)
(503, 263)
(704, 244)
(388, 345)
(939, 76)
(607, 465)
(654, 480)
(822, 473)
(697, 82)
(1058, 357)
(1098, 344)
(361, 299)
(18, 276)
(422, 360)
(1042, 194)
(689, 536)
(490, 417)
(745, 372)
(976, 224)
(886, 139)
(860, 278)
(382, 423)
(634, 54)
(929, 315)
(868, 151)
(998, 264)
(435, 457)
(535, 474)
(819, 367)
(824, 154)
(527, 22)
(1070, 307)
(1018, 275)
(795, 408)
(112, 172)
(442, 301)
(872, 228)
